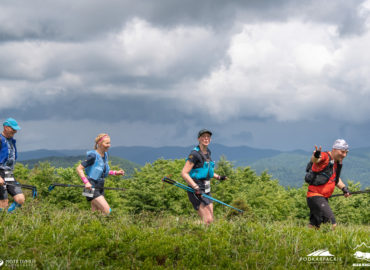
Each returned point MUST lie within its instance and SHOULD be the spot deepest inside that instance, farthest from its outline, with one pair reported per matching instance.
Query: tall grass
(79, 239)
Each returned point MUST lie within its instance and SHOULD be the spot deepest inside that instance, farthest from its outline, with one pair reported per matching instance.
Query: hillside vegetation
(73, 238)
(153, 225)
(286, 166)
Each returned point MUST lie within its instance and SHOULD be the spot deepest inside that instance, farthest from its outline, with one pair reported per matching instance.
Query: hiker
(323, 175)
(197, 172)
(8, 157)
(96, 168)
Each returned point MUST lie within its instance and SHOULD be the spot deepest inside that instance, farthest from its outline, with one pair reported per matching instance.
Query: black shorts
(320, 211)
(195, 201)
(99, 191)
(13, 188)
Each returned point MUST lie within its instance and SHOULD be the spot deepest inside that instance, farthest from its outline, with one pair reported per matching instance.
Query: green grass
(79, 239)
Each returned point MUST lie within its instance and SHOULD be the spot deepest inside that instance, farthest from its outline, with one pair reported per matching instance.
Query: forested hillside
(289, 168)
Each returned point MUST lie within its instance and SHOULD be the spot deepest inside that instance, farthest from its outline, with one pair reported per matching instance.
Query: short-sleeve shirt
(90, 160)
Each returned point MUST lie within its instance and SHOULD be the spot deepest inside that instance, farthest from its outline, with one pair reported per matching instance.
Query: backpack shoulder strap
(337, 172)
(330, 157)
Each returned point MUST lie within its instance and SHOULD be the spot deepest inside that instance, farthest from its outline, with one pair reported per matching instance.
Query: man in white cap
(8, 156)
(323, 175)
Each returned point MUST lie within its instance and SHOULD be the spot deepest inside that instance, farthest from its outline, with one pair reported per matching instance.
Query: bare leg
(100, 204)
(19, 198)
(206, 213)
(4, 203)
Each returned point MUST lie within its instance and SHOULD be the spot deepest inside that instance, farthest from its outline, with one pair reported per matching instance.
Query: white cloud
(290, 71)
(146, 50)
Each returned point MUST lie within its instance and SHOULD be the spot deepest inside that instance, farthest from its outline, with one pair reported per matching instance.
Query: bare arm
(341, 185)
(81, 174)
(120, 172)
(185, 174)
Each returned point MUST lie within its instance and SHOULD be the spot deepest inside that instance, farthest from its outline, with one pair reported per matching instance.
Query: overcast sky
(278, 74)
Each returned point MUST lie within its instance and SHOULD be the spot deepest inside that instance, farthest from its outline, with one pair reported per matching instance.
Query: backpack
(323, 176)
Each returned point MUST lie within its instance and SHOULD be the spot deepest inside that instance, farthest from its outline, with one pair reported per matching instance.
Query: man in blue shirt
(8, 157)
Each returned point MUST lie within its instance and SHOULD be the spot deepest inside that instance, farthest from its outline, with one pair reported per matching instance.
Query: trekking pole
(352, 193)
(177, 184)
(53, 185)
(33, 188)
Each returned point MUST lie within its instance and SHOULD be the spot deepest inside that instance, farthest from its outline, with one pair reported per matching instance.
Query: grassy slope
(77, 238)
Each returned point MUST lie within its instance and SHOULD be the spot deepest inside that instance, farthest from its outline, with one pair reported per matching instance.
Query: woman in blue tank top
(96, 168)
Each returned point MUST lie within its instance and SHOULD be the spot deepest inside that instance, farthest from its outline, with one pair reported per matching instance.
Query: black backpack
(321, 177)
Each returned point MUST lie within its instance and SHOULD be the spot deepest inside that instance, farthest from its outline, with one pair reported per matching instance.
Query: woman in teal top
(197, 172)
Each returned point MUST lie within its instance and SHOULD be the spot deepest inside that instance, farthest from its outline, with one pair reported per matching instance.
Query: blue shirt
(10, 162)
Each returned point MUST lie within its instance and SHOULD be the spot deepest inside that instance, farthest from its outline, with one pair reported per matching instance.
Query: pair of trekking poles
(165, 180)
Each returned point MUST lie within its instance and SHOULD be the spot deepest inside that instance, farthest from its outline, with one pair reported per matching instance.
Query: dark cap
(202, 131)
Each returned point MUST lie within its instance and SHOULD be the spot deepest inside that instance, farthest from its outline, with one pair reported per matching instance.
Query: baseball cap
(10, 122)
(202, 131)
(340, 144)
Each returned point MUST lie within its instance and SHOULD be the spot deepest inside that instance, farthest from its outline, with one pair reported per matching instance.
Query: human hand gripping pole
(182, 186)
(198, 192)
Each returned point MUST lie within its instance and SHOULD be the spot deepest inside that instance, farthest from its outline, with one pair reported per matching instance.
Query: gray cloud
(87, 19)
(251, 69)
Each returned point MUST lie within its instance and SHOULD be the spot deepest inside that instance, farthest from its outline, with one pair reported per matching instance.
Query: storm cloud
(277, 74)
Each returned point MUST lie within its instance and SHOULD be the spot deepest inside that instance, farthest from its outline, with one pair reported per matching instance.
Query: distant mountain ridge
(147, 154)
(286, 166)
(70, 161)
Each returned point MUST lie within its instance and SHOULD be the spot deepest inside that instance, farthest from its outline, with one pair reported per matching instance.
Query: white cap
(340, 144)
